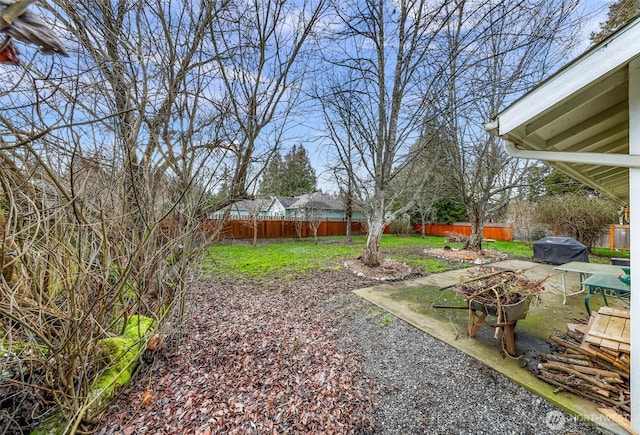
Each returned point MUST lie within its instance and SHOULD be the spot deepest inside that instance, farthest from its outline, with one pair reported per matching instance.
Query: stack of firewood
(594, 362)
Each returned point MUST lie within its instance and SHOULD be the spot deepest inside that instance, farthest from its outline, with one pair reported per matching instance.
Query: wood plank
(615, 328)
(593, 339)
(577, 327)
(616, 418)
(612, 337)
(626, 332)
(585, 346)
(599, 325)
(615, 312)
(618, 338)
(605, 343)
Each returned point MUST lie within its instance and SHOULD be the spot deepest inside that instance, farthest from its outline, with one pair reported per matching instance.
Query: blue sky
(304, 129)
(594, 11)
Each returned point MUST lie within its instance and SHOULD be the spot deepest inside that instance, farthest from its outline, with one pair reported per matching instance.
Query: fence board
(490, 231)
(276, 228)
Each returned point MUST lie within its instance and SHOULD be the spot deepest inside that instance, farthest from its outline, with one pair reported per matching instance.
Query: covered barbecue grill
(559, 250)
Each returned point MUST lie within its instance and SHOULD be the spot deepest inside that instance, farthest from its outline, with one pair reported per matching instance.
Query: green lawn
(286, 259)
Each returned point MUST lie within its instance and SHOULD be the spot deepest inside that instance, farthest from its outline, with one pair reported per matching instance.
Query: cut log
(586, 394)
(577, 383)
(562, 359)
(591, 379)
(570, 345)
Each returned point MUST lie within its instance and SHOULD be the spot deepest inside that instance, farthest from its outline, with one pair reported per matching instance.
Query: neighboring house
(322, 206)
(291, 207)
(244, 209)
(279, 205)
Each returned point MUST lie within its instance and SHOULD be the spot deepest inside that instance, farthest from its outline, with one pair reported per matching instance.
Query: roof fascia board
(604, 59)
(600, 159)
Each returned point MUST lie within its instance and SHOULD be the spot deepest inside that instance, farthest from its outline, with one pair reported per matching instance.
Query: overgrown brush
(77, 265)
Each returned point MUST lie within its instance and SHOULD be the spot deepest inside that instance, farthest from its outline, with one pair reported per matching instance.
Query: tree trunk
(347, 236)
(376, 228)
(255, 231)
(477, 227)
(349, 213)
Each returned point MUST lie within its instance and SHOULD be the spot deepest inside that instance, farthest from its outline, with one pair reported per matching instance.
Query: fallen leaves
(147, 397)
(256, 358)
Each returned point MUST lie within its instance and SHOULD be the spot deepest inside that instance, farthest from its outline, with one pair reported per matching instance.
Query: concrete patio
(412, 301)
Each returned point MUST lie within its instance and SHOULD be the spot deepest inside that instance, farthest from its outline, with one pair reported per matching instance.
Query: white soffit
(584, 107)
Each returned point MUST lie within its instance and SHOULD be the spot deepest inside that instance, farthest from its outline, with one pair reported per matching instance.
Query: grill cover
(559, 250)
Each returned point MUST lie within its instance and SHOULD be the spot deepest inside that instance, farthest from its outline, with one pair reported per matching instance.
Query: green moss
(118, 358)
(52, 426)
(120, 354)
(138, 326)
(422, 298)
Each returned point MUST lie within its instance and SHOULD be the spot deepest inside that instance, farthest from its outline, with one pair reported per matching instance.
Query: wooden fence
(282, 228)
(277, 228)
(618, 237)
(491, 231)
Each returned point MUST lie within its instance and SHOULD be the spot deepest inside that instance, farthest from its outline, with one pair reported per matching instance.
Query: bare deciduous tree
(260, 51)
(512, 46)
(374, 99)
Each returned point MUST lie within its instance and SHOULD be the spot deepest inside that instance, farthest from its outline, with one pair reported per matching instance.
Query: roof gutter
(600, 159)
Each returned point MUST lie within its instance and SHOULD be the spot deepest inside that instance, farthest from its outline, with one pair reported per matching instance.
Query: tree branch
(13, 11)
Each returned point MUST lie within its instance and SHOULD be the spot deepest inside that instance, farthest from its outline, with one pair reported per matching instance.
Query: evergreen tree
(544, 181)
(620, 13)
(299, 175)
(291, 176)
(272, 178)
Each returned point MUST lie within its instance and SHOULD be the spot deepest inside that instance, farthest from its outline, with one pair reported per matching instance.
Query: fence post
(612, 236)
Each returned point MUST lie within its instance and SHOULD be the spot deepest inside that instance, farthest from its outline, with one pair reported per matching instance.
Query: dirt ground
(309, 356)
(251, 358)
(464, 255)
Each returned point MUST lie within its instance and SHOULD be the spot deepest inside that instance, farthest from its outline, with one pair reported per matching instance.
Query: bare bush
(456, 237)
(577, 215)
(523, 215)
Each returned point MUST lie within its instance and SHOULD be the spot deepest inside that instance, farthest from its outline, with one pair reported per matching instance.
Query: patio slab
(412, 302)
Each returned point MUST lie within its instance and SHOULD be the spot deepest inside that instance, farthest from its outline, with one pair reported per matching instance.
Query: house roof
(583, 108)
(251, 205)
(317, 200)
(286, 201)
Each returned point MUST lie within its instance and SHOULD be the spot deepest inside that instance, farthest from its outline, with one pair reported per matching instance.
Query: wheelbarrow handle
(451, 307)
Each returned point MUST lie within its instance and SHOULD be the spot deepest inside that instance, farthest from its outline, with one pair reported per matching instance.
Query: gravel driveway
(429, 387)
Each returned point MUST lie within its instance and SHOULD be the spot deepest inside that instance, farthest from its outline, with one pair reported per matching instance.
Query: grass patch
(291, 258)
(520, 250)
(288, 258)
(604, 255)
